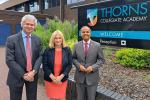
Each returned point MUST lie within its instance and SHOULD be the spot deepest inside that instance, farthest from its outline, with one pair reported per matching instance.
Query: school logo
(92, 16)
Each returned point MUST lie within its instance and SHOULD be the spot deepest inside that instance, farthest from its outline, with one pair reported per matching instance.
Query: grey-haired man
(23, 58)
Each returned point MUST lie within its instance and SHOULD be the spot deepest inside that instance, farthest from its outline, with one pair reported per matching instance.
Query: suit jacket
(95, 59)
(16, 58)
(48, 62)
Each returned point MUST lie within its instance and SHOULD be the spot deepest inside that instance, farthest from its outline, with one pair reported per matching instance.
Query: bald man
(87, 58)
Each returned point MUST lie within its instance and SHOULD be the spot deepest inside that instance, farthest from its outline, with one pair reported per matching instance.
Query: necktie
(86, 49)
(29, 62)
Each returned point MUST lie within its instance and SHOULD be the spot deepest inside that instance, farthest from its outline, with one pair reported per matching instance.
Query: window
(11, 9)
(20, 8)
(33, 5)
(51, 3)
(66, 2)
(58, 3)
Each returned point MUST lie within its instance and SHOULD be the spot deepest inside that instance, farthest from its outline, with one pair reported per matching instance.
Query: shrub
(134, 58)
(43, 34)
(71, 43)
(107, 51)
(70, 33)
(147, 77)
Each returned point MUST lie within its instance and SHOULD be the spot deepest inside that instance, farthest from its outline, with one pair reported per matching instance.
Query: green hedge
(43, 34)
(134, 58)
(71, 43)
(70, 33)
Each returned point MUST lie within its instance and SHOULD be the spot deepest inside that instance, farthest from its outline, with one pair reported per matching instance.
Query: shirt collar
(24, 35)
(87, 41)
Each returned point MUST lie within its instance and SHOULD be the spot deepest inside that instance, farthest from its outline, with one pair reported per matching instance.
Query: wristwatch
(34, 71)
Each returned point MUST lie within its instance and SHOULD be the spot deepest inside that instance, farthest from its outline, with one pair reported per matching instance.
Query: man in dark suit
(23, 58)
(87, 58)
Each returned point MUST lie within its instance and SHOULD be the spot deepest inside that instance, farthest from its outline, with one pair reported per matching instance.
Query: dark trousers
(31, 91)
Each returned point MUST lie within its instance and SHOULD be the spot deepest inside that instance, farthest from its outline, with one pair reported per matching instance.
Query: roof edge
(74, 7)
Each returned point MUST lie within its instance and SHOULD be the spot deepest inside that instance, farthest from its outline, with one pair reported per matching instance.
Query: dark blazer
(48, 62)
(16, 58)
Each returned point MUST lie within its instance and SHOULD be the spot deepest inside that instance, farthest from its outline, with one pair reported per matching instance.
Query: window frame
(38, 7)
(20, 5)
(51, 4)
(73, 3)
(10, 8)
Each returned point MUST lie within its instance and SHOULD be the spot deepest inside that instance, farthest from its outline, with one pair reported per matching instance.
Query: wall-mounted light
(1, 20)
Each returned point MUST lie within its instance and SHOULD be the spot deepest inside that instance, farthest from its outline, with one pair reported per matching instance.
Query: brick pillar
(26, 7)
(62, 10)
(40, 6)
(13, 28)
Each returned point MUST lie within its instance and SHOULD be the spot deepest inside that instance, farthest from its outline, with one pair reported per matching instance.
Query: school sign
(124, 23)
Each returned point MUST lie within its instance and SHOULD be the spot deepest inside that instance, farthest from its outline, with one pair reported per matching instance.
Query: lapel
(82, 49)
(32, 45)
(63, 56)
(21, 43)
(53, 56)
(90, 48)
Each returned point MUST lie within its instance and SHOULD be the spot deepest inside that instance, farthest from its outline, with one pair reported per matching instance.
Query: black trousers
(31, 91)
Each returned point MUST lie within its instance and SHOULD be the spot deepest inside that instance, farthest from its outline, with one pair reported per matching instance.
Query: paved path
(4, 90)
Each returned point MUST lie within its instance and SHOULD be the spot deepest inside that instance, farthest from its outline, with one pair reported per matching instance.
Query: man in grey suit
(23, 58)
(87, 58)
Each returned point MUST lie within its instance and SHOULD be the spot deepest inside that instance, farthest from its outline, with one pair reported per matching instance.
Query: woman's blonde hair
(51, 42)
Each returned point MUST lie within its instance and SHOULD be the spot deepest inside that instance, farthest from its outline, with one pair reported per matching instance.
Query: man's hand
(29, 76)
(82, 68)
(89, 69)
(32, 80)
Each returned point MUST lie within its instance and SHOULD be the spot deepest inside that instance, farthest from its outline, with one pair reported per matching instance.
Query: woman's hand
(53, 78)
(59, 78)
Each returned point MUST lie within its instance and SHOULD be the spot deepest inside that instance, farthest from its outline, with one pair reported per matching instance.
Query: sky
(2, 1)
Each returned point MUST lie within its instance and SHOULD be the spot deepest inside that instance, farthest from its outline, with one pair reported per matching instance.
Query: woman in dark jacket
(57, 63)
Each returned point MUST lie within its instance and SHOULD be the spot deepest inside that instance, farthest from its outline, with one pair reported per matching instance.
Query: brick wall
(13, 18)
(52, 11)
(69, 13)
(66, 11)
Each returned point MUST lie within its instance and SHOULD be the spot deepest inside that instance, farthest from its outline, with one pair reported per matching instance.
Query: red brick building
(60, 8)
(12, 11)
